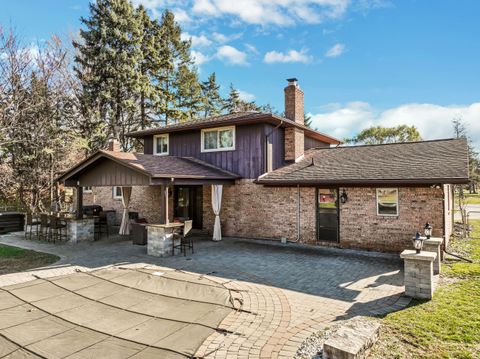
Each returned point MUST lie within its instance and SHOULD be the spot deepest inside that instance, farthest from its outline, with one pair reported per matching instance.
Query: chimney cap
(292, 80)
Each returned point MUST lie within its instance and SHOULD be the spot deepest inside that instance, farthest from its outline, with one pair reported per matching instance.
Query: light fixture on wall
(428, 230)
(343, 197)
(418, 242)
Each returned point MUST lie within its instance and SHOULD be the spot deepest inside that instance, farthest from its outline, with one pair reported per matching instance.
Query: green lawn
(13, 259)
(470, 199)
(448, 326)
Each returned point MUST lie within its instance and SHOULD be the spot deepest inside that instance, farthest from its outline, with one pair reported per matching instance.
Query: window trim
(114, 192)
(164, 135)
(85, 190)
(398, 202)
(223, 128)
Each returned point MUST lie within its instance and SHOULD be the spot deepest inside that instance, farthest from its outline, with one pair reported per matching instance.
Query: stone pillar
(419, 280)
(434, 245)
(79, 230)
(159, 241)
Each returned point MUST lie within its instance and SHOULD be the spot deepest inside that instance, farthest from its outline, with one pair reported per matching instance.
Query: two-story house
(280, 179)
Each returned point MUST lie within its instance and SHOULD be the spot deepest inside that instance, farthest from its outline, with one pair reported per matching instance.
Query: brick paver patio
(287, 292)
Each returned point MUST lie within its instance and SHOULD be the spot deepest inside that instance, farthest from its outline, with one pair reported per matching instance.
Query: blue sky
(359, 62)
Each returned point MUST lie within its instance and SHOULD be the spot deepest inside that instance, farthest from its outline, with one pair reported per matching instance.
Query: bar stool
(101, 225)
(31, 222)
(58, 229)
(44, 233)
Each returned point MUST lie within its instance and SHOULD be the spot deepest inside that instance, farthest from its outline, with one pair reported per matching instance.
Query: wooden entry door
(327, 214)
(188, 204)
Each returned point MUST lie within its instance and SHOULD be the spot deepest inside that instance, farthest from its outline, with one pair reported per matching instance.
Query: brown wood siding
(277, 137)
(148, 145)
(111, 173)
(313, 143)
(247, 159)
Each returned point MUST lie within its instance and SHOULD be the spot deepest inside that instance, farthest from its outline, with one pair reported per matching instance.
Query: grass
(470, 198)
(448, 326)
(13, 259)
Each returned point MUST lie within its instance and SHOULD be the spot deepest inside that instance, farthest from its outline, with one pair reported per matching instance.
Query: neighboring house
(282, 179)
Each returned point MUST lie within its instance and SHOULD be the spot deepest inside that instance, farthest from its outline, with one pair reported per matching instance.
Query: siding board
(247, 159)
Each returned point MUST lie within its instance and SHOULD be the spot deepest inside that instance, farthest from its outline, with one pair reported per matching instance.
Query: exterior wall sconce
(428, 230)
(343, 197)
(418, 242)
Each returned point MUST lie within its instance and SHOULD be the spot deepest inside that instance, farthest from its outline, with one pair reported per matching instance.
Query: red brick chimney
(294, 110)
(113, 145)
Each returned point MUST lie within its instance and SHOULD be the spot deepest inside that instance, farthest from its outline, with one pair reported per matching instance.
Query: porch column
(79, 202)
(166, 204)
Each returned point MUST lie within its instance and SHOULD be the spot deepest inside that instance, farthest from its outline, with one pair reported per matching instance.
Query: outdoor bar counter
(160, 238)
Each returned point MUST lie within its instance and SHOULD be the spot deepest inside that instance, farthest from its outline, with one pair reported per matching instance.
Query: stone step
(352, 340)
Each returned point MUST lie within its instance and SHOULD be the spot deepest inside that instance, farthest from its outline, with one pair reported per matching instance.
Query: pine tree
(110, 54)
(213, 103)
(176, 55)
(189, 94)
(307, 120)
(233, 103)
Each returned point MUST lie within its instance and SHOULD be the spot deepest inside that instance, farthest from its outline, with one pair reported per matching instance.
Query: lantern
(428, 230)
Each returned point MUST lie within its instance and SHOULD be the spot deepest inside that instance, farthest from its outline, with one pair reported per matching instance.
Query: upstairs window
(218, 139)
(87, 189)
(160, 145)
(387, 201)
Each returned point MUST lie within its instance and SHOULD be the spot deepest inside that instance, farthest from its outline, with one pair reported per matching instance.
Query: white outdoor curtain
(125, 226)
(217, 205)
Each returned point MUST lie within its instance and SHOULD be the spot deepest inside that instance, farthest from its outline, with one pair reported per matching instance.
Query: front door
(327, 214)
(188, 203)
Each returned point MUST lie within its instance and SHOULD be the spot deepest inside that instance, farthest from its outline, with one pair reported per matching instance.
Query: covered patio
(166, 174)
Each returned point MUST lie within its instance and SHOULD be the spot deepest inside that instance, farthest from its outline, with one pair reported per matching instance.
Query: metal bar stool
(101, 225)
(186, 240)
(44, 233)
(30, 223)
(58, 229)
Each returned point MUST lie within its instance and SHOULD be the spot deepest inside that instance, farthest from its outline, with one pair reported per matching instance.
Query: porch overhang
(108, 168)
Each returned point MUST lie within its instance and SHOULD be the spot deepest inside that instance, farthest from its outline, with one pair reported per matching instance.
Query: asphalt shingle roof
(171, 166)
(439, 161)
(234, 118)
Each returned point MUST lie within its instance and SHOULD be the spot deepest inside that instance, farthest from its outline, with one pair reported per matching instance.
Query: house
(281, 179)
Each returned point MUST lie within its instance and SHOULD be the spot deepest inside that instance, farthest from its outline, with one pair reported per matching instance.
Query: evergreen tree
(307, 120)
(213, 103)
(233, 103)
(108, 64)
(189, 94)
(176, 55)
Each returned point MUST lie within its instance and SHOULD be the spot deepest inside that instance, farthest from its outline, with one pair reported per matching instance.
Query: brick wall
(361, 227)
(254, 211)
(294, 143)
(146, 200)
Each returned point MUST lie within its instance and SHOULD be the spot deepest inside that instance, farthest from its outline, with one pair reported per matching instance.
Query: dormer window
(160, 145)
(218, 139)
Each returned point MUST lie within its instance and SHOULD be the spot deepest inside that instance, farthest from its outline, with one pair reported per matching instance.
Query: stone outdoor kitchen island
(280, 179)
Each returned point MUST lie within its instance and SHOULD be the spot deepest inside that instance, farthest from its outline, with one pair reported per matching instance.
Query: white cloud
(231, 55)
(246, 96)
(336, 50)
(278, 12)
(432, 121)
(291, 56)
(199, 58)
(181, 16)
(197, 41)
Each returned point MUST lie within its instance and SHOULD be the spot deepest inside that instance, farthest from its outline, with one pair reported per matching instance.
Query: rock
(352, 340)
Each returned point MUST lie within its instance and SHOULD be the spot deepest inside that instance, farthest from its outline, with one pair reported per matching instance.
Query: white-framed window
(218, 139)
(387, 201)
(117, 192)
(160, 144)
(87, 189)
